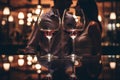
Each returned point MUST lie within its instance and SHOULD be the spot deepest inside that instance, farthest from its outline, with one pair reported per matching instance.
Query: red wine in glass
(48, 33)
(73, 32)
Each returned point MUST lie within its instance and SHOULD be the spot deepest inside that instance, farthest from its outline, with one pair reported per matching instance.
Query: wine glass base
(49, 57)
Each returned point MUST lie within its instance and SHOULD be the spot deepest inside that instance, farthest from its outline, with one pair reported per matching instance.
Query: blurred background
(16, 20)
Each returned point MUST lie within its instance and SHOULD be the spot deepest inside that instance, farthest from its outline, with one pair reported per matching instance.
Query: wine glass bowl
(76, 26)
(48, 27)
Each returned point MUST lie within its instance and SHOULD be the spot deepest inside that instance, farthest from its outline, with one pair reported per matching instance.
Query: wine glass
(74, 29)
(48, 27)
(76, 26)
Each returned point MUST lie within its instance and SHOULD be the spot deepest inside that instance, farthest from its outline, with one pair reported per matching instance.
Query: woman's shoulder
(94, 26)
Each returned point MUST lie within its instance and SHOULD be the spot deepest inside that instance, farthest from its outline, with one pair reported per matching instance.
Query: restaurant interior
(16, 20)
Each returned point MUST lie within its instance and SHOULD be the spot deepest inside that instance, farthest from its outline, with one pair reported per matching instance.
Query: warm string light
(111, 26)
(112, 15)
(38, 10)
(112, 65)
(6, 62)
(35, 59)
(99, 18)
(6, 11)
(21, 18)
(10, 18)
(21, 15)
(38, 71)
(6, 66)
(10, 58)
(29, 19)
(29, 59)
(21, 60)
(37, 66)
(21, 56)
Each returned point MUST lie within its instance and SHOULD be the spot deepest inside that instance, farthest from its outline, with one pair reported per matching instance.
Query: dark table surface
(12, 49)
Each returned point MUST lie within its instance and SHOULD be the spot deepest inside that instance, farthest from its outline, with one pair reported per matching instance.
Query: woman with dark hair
(88, 44)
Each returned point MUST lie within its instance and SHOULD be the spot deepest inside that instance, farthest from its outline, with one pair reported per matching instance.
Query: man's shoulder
(47, 13)
(69, 15)
(93, 25)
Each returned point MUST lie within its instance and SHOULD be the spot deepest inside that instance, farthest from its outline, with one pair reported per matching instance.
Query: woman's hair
(90, 10)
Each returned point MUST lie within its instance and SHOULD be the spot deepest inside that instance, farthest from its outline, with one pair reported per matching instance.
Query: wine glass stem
(73, 43)
(49, 59)
(49, 40)
(73, 68)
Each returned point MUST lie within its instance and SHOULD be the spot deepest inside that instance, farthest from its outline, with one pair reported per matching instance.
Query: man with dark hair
(56, 16)
(60, 44)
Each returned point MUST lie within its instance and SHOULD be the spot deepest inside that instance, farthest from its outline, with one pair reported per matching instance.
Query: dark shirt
(61, 43)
